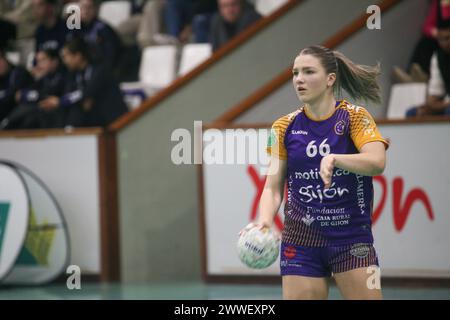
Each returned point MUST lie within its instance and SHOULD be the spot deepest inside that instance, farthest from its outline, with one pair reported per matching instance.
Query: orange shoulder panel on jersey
(363, 128)
(275, 145)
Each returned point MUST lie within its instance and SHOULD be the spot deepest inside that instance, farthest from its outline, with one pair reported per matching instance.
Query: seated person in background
(20, 14)
(186, 17)
(419, 64)
(145, 26)
(8, 30)
(12, 79)
(92, 96)
(103, 41)
(50, 77)
(438, 101)
(234, 16)
(52, 30)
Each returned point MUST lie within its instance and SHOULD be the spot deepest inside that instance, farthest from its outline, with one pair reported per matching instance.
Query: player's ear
(331, 79)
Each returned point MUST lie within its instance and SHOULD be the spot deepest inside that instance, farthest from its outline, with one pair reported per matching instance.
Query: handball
(258, 248)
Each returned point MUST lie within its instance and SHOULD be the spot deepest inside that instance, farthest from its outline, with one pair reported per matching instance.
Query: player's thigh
(359, 284)
(304, 288)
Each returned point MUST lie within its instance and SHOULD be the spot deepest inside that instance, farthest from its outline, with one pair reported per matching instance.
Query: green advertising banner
(34, 241)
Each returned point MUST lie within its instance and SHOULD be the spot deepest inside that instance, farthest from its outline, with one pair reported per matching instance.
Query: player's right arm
(272, 195)
(273, 191)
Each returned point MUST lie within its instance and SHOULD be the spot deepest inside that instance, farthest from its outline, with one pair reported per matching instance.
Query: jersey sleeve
(363, 128)
(275, 144)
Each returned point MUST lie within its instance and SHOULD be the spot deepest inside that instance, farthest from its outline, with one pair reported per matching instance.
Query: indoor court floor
(193, 291)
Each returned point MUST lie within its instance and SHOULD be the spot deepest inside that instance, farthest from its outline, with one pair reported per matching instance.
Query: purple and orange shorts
(323, 261)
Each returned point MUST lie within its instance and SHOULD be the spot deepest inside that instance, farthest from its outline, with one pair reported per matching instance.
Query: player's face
(309, 78)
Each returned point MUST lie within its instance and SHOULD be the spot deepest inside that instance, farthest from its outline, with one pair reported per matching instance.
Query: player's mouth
(301, 89)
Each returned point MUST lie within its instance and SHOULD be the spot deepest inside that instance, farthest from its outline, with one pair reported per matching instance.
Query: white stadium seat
(158, 65)
(404, 96)
(115, 12)
(193, 55)
(13, 57)
(266, 7)
(157, 70)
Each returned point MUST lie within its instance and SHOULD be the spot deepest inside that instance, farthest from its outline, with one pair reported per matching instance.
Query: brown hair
(359, 81)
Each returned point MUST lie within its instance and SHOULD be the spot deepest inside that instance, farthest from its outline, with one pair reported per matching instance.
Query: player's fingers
(260, 226)
(323, 174)
(326, 178)
(248, 227)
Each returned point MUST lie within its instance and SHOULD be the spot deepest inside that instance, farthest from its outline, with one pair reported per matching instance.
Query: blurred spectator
(52, 30)
(177, 13)
(92, 96)
(145, 26)
(202, 15)
(234, 16)
(186, 17)
(104, 44)
(438, 100)
(20, 14)
(50, 81)
(419, 65)
(8, 32)
(12, 79)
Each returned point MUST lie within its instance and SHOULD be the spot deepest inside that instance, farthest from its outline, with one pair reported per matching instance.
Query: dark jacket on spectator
(103, 41)
(28, 115)
(222, 32)
(97, 84)
(16, 79)
(51, 38)
(52, 84)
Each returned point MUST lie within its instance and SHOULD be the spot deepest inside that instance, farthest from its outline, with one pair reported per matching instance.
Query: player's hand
(326, 169)
(260, 226)
(251, 225)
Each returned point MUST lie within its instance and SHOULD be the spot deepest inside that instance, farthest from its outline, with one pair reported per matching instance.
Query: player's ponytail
(359, 81)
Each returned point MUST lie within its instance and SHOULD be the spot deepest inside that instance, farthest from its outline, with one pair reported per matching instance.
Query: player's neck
(321, 107)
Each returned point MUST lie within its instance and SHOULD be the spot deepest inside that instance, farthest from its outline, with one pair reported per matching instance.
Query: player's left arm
(371, 161)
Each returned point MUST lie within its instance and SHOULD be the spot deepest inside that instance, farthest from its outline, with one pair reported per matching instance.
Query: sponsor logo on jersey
(289, 252)
(308, 220)
(301, 132)
(339, 127)
(360, 250)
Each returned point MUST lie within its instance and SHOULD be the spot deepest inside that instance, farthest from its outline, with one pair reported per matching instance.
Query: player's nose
(299, 79)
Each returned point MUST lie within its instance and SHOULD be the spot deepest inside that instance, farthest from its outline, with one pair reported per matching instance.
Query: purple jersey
(315, 216)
